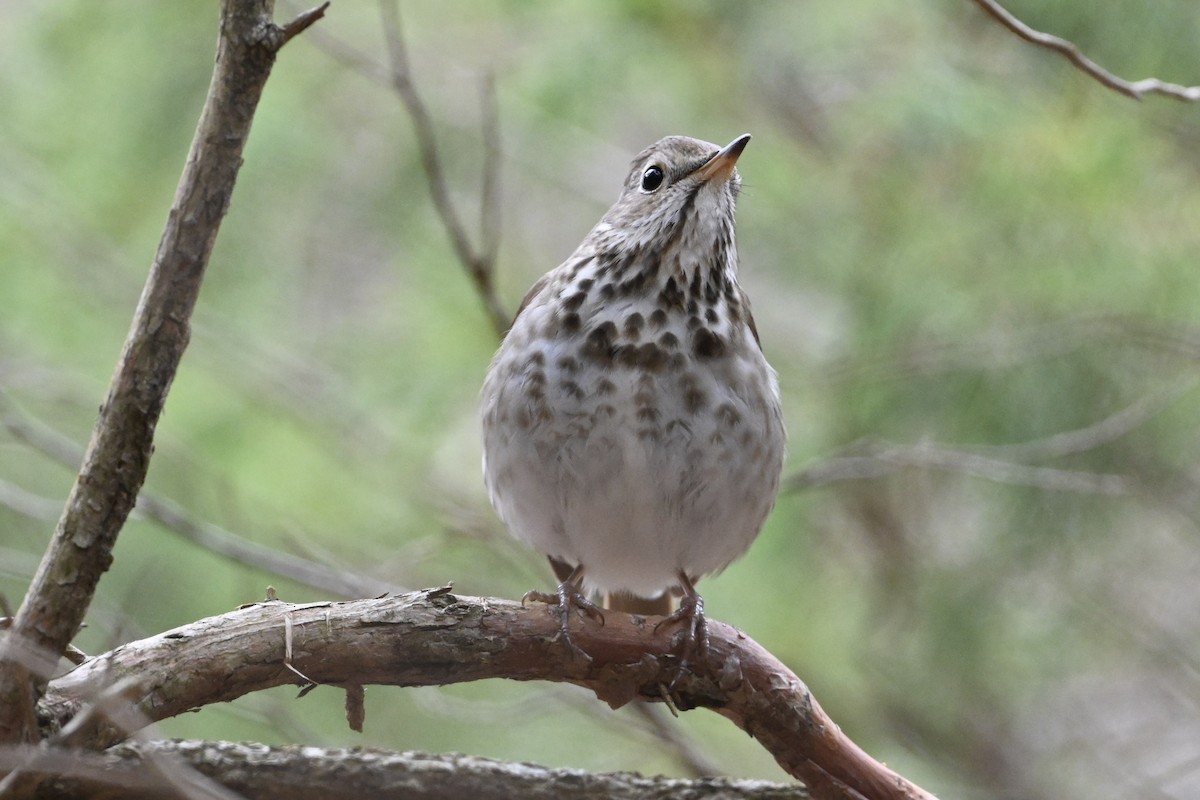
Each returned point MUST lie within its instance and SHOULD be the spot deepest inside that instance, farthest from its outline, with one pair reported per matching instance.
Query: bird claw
(568, 598)
(539, 597)
(695, 628)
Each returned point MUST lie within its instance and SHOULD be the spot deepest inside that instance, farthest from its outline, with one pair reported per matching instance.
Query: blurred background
(974, 268)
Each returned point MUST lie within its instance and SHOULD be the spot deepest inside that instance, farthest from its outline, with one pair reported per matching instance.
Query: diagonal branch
(118, 455)
(436, 637)
(1071, 52)
(480, 264)
(1003, 463)
(170, 515)
(164, 771)
(869, 460)
(489, 206)
(1098, 434)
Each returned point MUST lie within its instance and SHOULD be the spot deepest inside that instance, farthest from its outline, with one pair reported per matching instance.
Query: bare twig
(29, 431)
(168, 773)
(111, 703)
(327, 578)
(349, 56)
(173, 517)
(686, 751)
(88, 769)
(302, 22)
(436, 637)
(119, 453)
(992, 350)
(489, 206)
(1180, 340)
(480, 265)
(75, 655)
(27, 503)
(873, 459)
(1069, 51)
(1003, 348)
(1090, 437)
(1004, 463)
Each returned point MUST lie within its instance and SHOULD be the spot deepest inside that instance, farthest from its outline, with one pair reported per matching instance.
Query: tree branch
(868, 460)
(489, 194)
(1003, 349)
(294, 772)
(1071, 52)
(1003, 463)
(173, 517)
(122, 441)
(480, 264)
(434, 637)
(1092, 436)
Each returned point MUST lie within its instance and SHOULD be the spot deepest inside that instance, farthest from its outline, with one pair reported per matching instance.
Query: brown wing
(533, 292)
(572, 266)
(750, 320)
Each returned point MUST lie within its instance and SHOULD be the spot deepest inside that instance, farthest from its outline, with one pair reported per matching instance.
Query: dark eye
(652, 178)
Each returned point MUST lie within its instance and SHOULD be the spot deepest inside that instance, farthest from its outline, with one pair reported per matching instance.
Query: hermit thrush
(631, 424)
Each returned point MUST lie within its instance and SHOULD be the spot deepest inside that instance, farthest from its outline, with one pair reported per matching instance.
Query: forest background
(974, 268)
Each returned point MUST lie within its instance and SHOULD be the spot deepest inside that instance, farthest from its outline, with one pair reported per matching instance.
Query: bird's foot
(568, 598)
(694, 636)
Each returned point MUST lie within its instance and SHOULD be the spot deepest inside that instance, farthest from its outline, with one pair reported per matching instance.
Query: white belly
(635, 473)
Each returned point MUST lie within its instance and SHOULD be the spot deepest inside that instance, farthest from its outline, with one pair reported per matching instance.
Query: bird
(632, 427)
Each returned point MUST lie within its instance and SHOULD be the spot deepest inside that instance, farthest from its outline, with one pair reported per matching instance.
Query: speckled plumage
(631, 423)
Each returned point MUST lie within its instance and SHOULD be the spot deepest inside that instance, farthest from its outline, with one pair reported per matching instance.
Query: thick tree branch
(259, 772)
(1069, 51)
(119, 453)
(435, 638)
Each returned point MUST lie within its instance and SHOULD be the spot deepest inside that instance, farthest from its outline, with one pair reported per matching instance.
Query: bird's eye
(652, 178)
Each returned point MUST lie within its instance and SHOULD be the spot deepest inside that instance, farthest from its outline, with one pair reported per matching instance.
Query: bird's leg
(695, 629)
(568, 597)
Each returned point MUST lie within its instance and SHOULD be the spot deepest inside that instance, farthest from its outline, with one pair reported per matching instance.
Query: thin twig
(989, 351)
(480, 265)
(115, 704)
(338, 582)
(169, 514)
(75, 655)
(1068, 50)
(349, 56)
(687, 752)
(874, 459)
(303, 22)
(1005, 349)
(1092, 436)
(489, 206)
(1003, 463)
(28, 504)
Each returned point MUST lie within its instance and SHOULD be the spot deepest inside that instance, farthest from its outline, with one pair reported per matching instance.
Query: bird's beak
(720, 166)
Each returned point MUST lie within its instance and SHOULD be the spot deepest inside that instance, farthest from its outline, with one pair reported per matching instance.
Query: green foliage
(948, 236)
